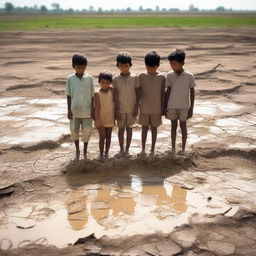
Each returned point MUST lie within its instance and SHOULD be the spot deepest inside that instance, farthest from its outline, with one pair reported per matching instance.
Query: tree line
(56, 8)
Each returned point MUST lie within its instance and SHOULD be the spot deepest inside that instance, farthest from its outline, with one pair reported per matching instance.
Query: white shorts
(174, 114)
(86, 126)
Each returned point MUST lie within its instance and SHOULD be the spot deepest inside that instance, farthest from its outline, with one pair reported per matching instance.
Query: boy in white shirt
(80, 102)
(179, 97)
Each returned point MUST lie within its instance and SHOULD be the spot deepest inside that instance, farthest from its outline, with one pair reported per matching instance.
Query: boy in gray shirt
(180, 96)
(152, 97)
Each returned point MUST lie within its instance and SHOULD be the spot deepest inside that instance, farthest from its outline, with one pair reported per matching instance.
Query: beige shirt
(151, 88)
(180, 87)
(126, 88)
(106, 113)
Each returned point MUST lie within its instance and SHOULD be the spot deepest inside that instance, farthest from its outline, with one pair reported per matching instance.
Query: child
(126, 89)
(180, 89)
(80, 101)
(105, 104)
(152, 93)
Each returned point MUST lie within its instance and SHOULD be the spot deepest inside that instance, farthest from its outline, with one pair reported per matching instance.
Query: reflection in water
(76, 207)
(138, 207)
(137, 200)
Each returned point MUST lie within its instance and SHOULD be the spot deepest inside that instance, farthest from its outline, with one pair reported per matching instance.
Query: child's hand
(93, 115)
(70, 115)
(190, 112)
(135, 112)
(117, 115)
(97, 123)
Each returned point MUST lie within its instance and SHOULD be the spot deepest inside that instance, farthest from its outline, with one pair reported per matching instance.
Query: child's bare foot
(77, 157)
(152, 152)
(182, 152)
(100, 158)
(126, 154)
(85, 157)
(106, 157)
(142, 154)
(120, 154)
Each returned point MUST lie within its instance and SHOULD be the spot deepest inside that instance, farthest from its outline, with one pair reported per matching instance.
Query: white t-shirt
(81, 92)
(180, 87)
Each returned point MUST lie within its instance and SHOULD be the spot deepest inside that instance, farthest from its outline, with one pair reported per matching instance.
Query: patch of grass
(34, 22)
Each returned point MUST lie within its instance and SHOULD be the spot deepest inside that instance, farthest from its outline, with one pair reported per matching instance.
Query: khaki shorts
(153, 120)
(126, 120)
(86, 126)
(174, 114)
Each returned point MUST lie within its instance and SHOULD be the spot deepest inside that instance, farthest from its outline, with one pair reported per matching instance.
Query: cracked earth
(199, 204)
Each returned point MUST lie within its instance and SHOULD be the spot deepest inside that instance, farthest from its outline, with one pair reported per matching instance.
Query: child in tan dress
(105, 113)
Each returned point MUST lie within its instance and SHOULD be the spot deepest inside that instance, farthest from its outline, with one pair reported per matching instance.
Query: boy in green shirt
(80, 102)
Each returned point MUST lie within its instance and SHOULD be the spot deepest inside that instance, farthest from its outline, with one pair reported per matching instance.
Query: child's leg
(144, 136)
(85, 149)
(121, 139)
(108, 132)
(74, 129)
(86, 133)
(154, 136)
(173, 133)
(183, 126)
(102, 135)
(128, 139)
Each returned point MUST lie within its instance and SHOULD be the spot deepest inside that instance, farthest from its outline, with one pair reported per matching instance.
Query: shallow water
(135, 206)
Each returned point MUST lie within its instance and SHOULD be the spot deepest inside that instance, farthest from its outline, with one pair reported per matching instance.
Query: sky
(134, 4)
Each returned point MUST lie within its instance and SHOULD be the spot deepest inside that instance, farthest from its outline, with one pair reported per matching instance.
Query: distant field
(36, 22)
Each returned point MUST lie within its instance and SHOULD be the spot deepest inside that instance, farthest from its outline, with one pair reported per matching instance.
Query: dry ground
(36, 150)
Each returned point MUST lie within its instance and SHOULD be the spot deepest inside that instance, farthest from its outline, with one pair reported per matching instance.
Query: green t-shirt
(81, 92)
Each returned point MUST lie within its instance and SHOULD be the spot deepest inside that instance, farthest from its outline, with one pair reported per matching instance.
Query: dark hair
(178, 55)
(79, 59)
(106, 76)
(124, 58)
(152, 59)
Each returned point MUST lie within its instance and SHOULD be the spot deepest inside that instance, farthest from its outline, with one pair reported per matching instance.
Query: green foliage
(9, 7)
(35, 22)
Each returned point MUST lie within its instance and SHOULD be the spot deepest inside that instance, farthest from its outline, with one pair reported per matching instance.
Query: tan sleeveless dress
(107, 114)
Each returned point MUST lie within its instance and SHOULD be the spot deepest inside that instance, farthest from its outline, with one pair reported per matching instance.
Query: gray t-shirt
(180, 86)
(151, 89)
(81, 92)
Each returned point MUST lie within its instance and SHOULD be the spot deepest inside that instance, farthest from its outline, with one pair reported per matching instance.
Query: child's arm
(92, 108)
(97, 110)
(138, 96)
(192, 100)
(116, 101)
(136, 107)
(163, 98)
(167, 96)
(70, 115)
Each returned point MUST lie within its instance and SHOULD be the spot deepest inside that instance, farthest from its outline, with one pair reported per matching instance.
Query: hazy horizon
(119, 4)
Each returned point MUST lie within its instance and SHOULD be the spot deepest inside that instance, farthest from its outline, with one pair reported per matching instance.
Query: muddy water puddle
(135, 206)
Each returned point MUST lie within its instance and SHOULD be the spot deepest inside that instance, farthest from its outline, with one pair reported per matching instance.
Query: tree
(220, 9)
(56, 6)
(43, 9)
(70, 10)
(9, 7)
(192, 8)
